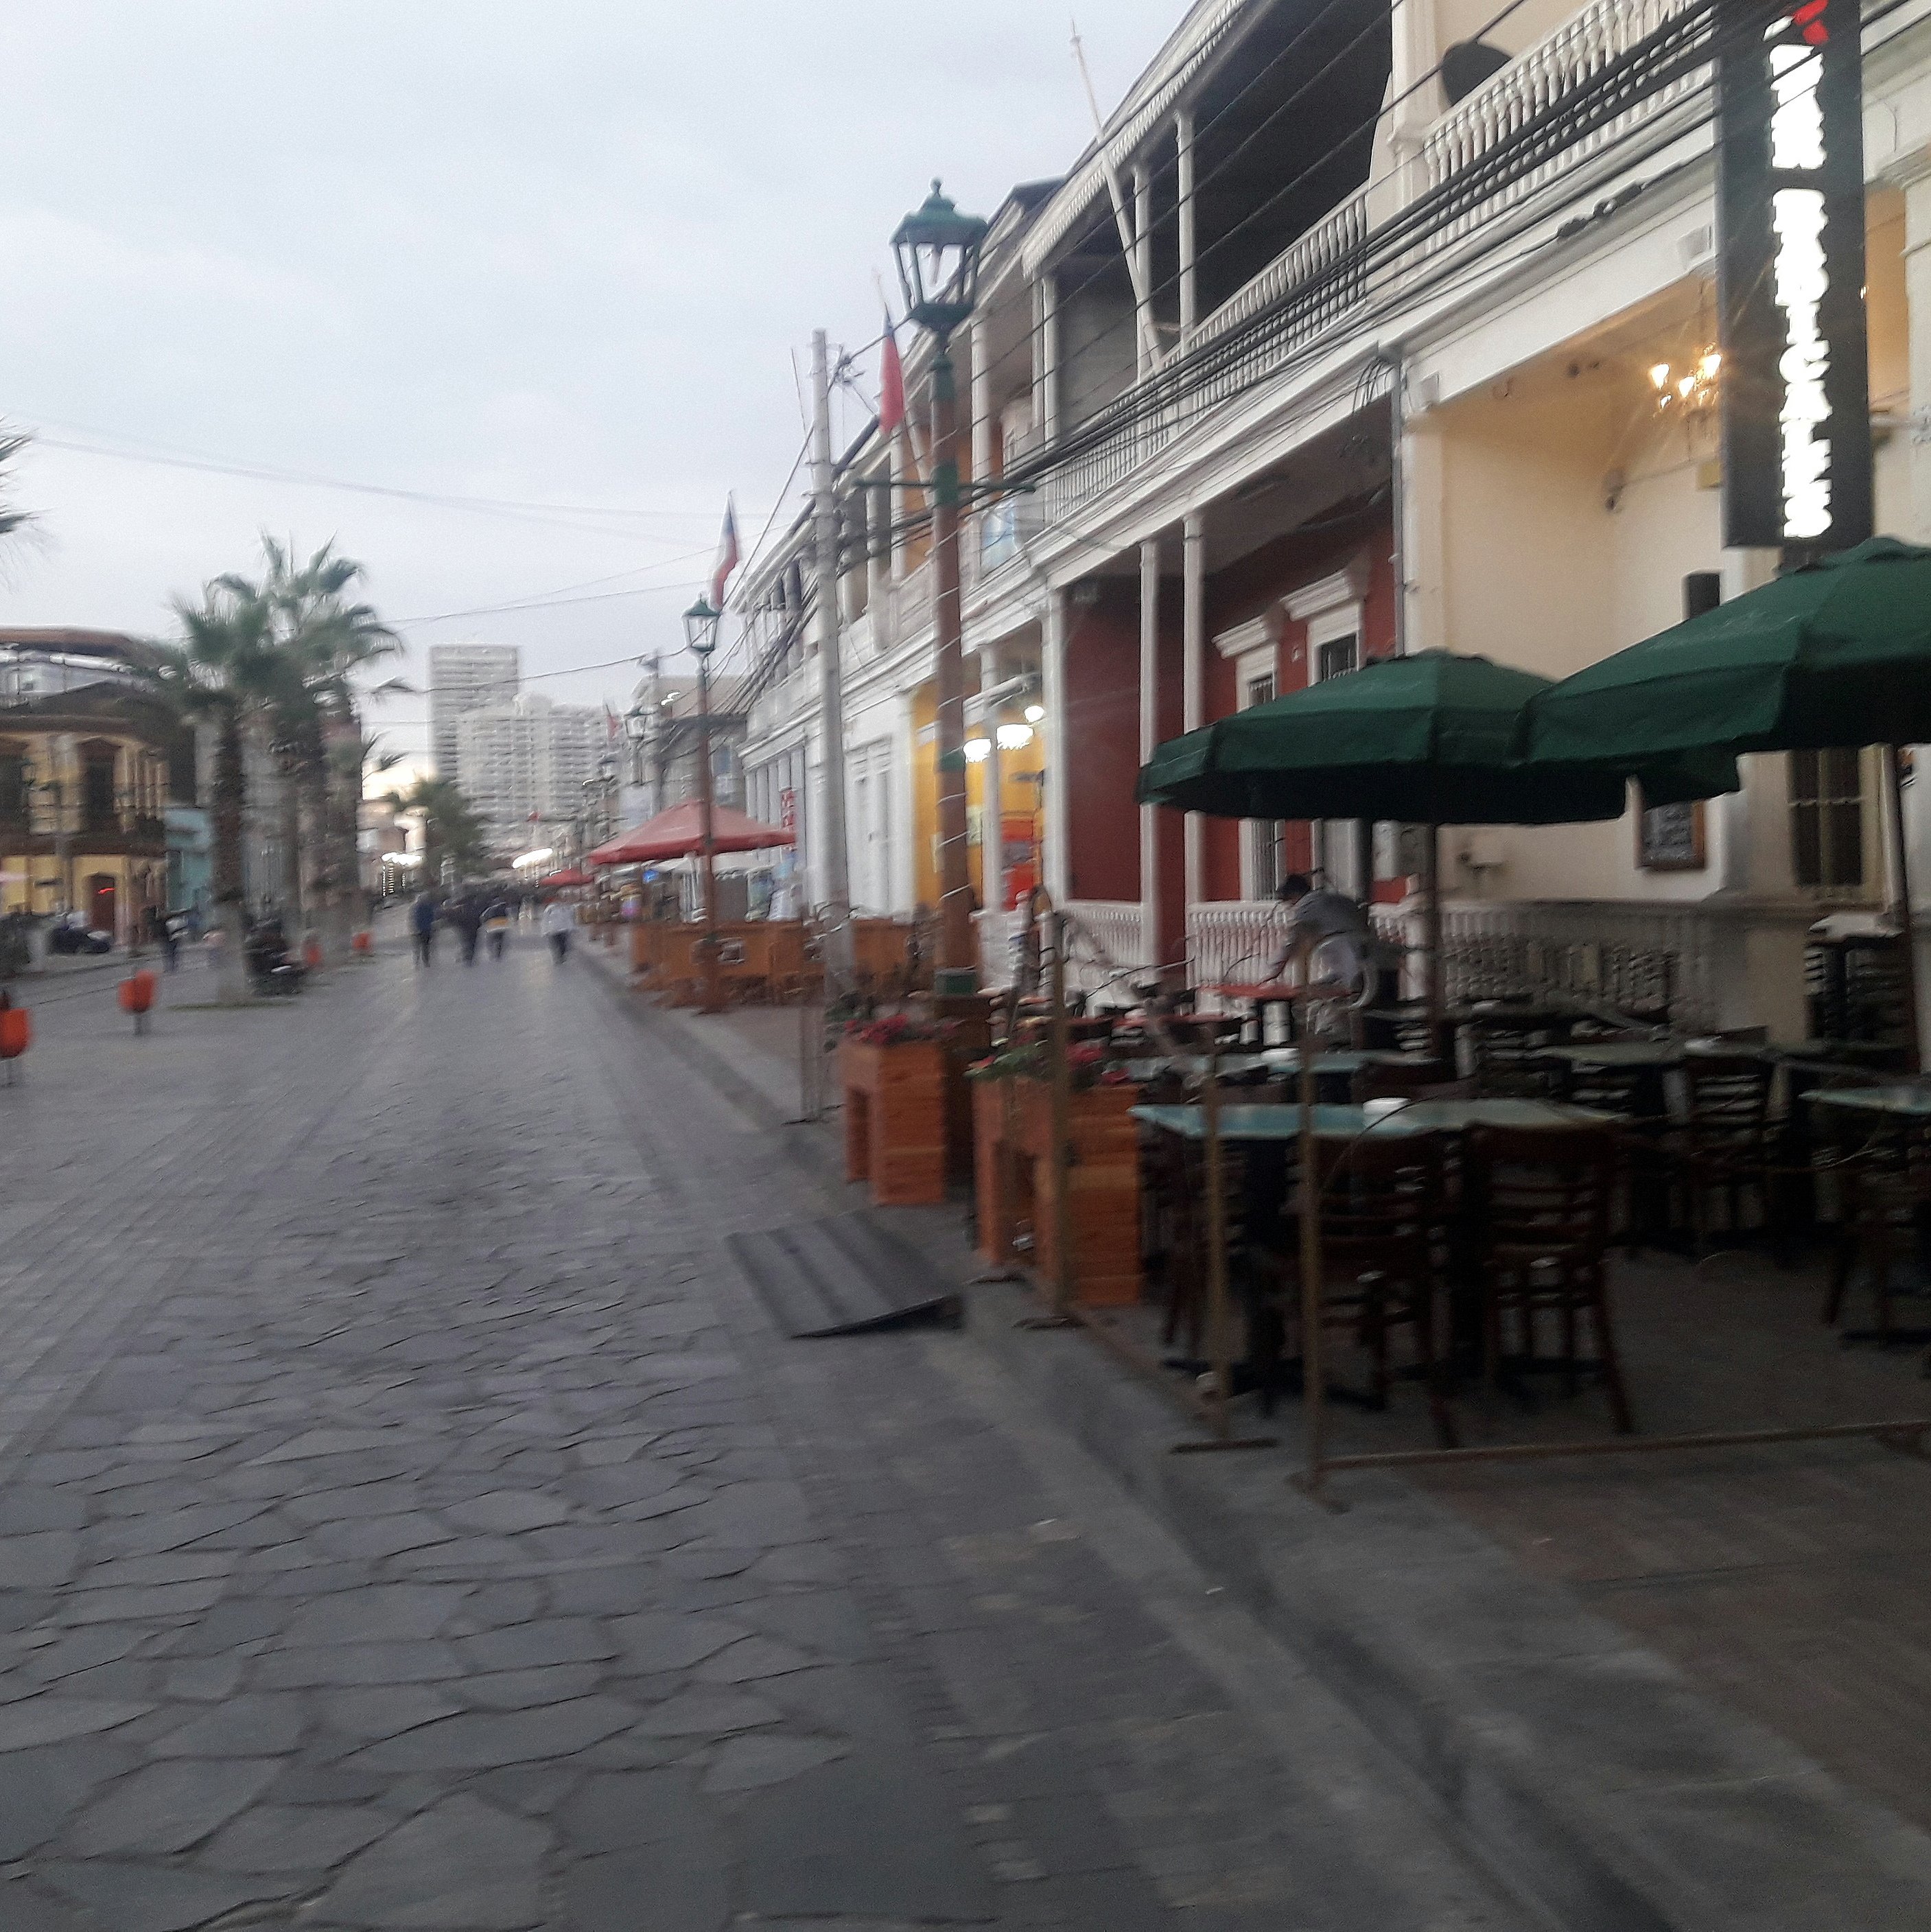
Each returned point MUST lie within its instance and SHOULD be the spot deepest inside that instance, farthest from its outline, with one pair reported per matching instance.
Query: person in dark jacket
(422, 929)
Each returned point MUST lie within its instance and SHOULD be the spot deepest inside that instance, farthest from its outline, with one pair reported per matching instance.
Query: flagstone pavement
(408, 1519)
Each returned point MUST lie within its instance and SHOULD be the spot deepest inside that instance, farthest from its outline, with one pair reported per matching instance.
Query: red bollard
(363, 943)
(17, 1034)
(137, 996)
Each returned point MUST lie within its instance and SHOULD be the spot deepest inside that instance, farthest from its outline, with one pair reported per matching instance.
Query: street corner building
(97, 784)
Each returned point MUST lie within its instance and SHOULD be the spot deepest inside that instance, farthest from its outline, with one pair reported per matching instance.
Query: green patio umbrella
(1431, 739)
(1835, 653)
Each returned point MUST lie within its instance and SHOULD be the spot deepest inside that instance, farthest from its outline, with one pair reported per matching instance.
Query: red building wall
(1103, 705)
(1258, 582)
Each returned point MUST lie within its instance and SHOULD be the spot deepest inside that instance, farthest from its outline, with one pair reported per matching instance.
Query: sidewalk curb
(1579, 1766)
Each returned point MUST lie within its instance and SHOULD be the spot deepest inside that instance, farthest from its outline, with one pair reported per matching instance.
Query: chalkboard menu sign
(1669, 838)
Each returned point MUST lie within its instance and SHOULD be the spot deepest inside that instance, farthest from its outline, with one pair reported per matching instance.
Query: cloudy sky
(557, 256)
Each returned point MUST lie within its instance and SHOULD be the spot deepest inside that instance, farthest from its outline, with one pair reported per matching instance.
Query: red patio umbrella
(679, 833)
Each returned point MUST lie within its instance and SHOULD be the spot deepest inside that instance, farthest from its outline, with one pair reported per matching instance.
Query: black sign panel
(1790, 204)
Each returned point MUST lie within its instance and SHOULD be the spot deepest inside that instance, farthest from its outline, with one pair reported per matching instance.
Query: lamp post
(938, 252)
(700, 633)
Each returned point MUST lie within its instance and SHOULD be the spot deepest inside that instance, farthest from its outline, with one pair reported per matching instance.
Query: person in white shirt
(558, 922)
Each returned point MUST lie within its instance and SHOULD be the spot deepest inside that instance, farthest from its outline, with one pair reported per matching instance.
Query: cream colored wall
(1570, 515)
(1535, 20)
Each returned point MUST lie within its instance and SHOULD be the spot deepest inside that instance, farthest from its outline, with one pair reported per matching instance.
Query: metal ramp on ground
(843, 1275)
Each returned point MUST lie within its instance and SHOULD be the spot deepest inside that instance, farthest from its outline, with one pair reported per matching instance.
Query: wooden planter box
(895, 1112)
(1102, 1189)
(1002, 1172)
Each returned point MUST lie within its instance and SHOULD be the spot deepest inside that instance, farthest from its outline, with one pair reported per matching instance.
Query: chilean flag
(890, 385)
(727, 554)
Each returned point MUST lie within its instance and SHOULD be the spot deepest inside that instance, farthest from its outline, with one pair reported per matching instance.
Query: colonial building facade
(90, 762)
(1410, 342)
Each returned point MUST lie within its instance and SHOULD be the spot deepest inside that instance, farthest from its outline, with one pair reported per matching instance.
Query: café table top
(1340, 1061)
(1344, 1122)
(1619, 1053)
(1908, 1097)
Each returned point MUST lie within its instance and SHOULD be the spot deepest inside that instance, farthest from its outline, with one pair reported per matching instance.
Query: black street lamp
(938, 250)
(700, 633)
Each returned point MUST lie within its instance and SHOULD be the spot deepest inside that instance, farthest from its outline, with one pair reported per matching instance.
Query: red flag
(727, 555)
(890, 385)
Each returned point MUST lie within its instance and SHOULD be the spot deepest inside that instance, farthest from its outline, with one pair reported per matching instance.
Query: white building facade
(1377, 371)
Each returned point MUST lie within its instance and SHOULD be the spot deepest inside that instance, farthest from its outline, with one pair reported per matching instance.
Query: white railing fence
(1107, 949)
(1530, 85)
(1639, 959)
(1233, 940)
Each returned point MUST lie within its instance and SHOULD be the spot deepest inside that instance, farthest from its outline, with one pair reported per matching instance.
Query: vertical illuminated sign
(1790, 203)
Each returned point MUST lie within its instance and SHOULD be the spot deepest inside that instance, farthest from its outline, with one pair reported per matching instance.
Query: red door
(100, 903)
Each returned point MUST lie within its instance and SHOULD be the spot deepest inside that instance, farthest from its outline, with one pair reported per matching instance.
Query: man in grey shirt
(1337, 927)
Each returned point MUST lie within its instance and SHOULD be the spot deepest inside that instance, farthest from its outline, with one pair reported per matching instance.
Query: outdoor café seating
(1539, 1208)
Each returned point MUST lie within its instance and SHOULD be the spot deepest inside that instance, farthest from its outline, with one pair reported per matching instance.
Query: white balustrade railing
(1316, 266)
(1642, 959)
(1107, 948)
(1531, 84)
(1233, 940)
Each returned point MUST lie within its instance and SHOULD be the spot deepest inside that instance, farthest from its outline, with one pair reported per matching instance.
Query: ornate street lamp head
(701, 627)
(938, 249)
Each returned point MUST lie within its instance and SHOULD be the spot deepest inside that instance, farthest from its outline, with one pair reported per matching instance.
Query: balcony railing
(1308, 290)
(1107, 946)
(1533, 83)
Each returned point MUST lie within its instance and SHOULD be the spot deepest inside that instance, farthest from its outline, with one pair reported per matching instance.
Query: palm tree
(228, 672)
(451, 829)
(327, 637)
(12, 520)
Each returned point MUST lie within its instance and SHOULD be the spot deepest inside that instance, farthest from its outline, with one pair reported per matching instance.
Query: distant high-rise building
(528, 757)
(462, 677)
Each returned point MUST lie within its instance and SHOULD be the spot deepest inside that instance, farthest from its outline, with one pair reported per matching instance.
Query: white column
(1058, 869)
(1046, 385)
(1193, 674)
(982, 401)
(1914, 177)
(1149, 736)
(1143, 268)
(1416, 56)
(1183, 177)
(898, 499)
(877, 554)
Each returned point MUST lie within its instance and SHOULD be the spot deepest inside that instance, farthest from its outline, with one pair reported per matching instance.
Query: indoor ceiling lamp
(1036, 714)
(1014, 737)
(977, 750)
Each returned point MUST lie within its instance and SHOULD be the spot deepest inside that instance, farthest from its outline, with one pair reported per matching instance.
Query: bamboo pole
(1894, 789)
(1314, 1365)
(1215, 1165)
(1062, 1124)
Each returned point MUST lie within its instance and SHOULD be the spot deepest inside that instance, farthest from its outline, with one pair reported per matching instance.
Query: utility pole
(839, 953)
(655, 737)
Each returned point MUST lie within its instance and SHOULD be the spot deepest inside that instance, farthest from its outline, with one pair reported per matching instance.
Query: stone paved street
(408, 1519)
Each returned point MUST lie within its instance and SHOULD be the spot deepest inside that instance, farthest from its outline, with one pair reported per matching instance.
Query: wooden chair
(1540, 1200)
(1508, 1059)
(1886, 1198)
(1727, 1144)
(1381, 1245)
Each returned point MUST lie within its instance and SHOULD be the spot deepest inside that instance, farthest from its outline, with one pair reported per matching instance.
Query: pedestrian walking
(558, 921)
(422, 929)
(468, 915)
(172, 927)
(496, 925)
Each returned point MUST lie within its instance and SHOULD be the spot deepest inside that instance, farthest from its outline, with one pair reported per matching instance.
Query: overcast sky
(554, 255)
